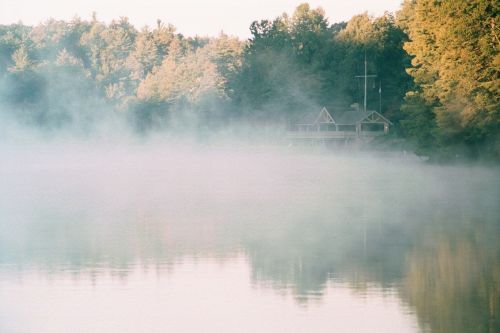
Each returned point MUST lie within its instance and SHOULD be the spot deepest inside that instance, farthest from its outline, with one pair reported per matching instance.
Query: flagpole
(380, 97)
(366, 76)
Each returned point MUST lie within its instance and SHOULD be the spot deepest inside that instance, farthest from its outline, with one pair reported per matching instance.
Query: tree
(419, 122)
(190, 74)
(456, 64)
(284, 63)
(381, 40)
(12, 37)
(21, 60)
(108, 50)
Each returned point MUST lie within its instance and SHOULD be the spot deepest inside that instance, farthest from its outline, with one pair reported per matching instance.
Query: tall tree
(108, 51)
(456, 65)
(381, 41)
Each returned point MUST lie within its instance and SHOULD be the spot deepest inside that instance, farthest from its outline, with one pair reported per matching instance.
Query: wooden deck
(331, 135)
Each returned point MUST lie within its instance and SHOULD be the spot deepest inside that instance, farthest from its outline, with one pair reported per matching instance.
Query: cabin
(316, 122)
(342, 125)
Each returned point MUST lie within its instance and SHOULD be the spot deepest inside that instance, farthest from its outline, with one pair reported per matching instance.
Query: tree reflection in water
(437, 248)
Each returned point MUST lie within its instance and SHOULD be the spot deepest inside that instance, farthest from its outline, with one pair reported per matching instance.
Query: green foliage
(381, 40)
(455, 63)
(21, 60)
(189, 74)
(418, 121)
(108, 49)
(12, 37)
(436, 66)
(294, 64)
(286, 56)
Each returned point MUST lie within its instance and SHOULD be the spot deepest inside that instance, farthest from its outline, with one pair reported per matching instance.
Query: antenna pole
(366, 79)
(366, 76)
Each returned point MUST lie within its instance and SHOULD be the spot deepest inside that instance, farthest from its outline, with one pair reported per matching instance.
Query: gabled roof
(342, 118)
(351, 117)
(307, 119)
(355, 117)
(324, 117)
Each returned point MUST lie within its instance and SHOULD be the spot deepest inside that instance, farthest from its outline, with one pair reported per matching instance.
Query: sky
(190, 17)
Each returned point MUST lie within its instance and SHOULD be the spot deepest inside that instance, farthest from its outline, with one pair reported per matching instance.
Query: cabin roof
(307, 119)
(355, 117)
(313, 118)
(342, 118)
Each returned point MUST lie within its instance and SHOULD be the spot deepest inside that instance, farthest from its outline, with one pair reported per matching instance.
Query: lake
(164, 237)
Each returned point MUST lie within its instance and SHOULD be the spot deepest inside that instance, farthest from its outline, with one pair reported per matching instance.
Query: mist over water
(155, 235)
(148, 184)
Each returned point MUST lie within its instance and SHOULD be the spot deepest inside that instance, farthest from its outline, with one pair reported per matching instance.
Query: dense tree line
(455, 64)
(293, 63)
(436, 65)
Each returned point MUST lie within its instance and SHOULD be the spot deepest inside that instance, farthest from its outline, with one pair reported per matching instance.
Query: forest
(436, 64)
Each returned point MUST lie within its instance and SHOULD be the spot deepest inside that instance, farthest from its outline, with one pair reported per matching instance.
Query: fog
(235, 184)
(149, 182)
(298, 220)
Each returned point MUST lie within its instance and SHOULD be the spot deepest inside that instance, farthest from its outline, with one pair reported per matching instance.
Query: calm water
(168, 239)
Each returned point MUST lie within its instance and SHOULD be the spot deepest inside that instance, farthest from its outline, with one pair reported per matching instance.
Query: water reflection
(453, 277)
(427, 237)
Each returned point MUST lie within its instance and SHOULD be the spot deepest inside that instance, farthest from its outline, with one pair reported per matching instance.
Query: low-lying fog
(297, 221)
